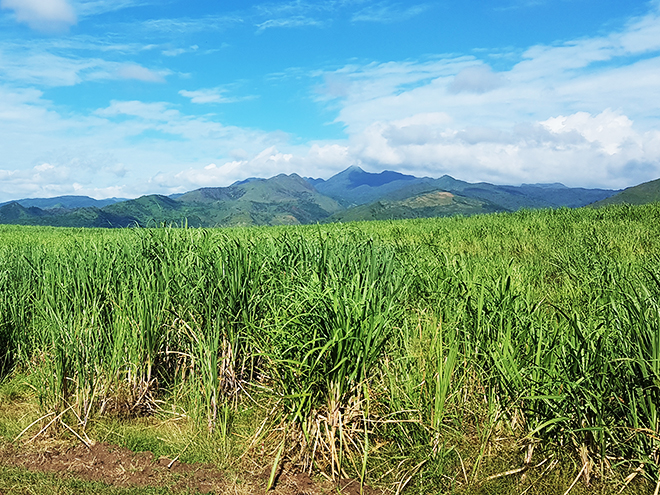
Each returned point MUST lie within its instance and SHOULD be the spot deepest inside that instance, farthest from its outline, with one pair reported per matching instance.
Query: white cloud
(148, 111)
(288, 22)
(42, 15)
(580, 149)
(135, 71)
(294, 8)
(638, 37)
(123, 145)
(40, 67)
(205, 96)
(305, 13)
(583, 112)
(186, 25)
(387, 91)
(385, 12)
(212, 95)
(320, 159)
(476, 79)
(48, 180)
(609, 129)
(174, 52)
(95, 7)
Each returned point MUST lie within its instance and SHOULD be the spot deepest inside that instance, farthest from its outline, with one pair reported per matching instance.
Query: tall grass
(390, 349)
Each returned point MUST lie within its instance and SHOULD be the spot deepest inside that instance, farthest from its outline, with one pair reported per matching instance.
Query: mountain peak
(357, 177)
(355, 186)
(66, 202)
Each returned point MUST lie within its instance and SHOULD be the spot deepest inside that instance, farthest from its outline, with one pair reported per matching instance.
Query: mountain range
(350, 195)
(65, 202)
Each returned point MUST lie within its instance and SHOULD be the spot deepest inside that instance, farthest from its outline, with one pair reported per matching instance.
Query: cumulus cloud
(67, 176)
(321, 159)
(579, 149)
(583, 112)
(609, 129)
(42, 15)
(122, 145)
(417, 130)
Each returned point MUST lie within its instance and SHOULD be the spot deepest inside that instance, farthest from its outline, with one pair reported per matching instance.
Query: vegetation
(647, 192)
(351, 195)
(489, 353)
(427, 205)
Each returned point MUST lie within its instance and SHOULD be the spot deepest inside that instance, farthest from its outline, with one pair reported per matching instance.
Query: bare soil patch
(120, 467)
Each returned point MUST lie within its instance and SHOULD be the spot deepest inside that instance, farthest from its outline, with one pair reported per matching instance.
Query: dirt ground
(118, 466)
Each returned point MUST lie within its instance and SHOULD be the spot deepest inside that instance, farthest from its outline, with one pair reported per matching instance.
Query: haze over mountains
(290, 199)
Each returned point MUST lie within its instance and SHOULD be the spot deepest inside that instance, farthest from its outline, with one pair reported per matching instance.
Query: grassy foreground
(492, 354)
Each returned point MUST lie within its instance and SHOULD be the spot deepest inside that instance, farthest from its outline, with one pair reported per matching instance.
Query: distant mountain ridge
(354, 187)
(352, 194)
(15, 213)
(284, 199)
(65, 202)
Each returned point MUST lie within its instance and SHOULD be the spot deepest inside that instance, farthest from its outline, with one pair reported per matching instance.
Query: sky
(120, 98)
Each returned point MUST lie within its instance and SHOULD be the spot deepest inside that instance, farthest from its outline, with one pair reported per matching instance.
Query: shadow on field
(6, 350)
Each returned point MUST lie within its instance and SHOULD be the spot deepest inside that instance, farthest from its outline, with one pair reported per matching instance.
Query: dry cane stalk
(578, 477)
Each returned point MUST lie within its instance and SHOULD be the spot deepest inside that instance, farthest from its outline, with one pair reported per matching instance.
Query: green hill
(148, 210)
(426, 205)
(648, 192)
(14, 213)
(280, 200)
(283, 199)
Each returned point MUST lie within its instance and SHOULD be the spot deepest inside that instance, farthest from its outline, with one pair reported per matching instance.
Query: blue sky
(129, 97)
